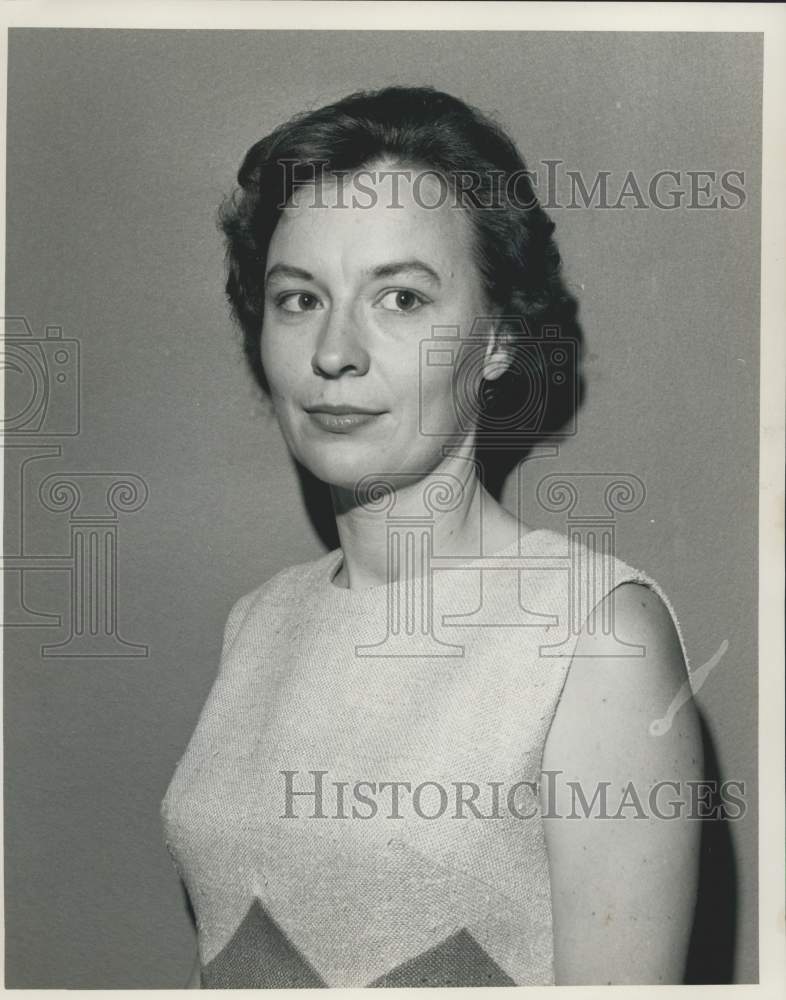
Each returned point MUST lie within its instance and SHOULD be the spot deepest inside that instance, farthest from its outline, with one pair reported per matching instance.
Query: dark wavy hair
(419, 127)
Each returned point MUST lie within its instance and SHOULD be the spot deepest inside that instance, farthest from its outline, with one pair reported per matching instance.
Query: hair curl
(514, 246)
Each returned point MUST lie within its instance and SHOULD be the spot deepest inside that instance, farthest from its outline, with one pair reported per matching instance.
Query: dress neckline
(354, 595)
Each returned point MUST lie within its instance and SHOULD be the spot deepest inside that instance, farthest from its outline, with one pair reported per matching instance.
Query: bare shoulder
(624, 692)
(641, 619)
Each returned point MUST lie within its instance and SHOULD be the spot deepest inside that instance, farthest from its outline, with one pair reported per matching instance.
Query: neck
(464, 519)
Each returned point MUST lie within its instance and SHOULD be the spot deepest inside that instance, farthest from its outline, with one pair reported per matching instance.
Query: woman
(403, 772)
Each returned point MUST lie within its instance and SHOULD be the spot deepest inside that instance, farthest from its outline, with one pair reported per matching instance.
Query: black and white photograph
(393, 496)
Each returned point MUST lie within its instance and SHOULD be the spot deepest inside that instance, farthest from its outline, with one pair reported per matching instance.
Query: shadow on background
(711, 951)
(319, 506)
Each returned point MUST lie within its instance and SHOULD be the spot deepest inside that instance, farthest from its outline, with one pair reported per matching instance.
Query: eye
(402, 300)
(297, 302)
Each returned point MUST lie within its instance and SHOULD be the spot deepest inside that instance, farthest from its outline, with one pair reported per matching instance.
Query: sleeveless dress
(358, 804)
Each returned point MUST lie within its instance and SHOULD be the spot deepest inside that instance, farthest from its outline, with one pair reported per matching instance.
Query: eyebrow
(411, 266)
(288, 271)
(391, 270)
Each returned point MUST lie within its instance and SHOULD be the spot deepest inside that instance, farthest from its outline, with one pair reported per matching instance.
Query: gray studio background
(120, 145)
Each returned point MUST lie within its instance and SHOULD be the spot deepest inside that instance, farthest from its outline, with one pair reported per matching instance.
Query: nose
(340, 349)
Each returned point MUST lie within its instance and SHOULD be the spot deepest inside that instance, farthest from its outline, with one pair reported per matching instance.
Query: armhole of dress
(628, 574)
(633, 575)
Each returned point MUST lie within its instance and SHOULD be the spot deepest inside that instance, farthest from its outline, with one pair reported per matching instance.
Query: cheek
(419, 374)
(449, 392)
(437, 393)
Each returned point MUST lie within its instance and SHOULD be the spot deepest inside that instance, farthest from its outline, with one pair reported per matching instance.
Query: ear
(499, 352)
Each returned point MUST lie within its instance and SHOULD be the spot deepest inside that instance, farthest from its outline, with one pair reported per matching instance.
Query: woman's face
(350, 295)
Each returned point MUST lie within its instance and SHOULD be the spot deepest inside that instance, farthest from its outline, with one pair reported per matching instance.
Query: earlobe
(496, 363)
(499, 350)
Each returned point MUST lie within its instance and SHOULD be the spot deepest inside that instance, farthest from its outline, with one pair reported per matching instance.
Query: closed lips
(340, 410)
(343, 419)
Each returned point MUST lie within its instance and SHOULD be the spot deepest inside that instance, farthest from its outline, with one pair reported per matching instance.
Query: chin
(344, 470)
(399, 471)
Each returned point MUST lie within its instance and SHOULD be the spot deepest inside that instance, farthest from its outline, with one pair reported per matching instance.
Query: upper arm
(623, 889)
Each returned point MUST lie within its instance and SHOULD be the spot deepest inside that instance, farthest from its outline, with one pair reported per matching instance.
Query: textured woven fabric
(314, 889)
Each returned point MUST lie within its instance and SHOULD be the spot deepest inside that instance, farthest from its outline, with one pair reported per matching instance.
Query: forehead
(368, 217)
